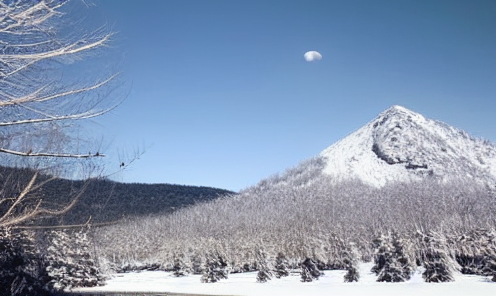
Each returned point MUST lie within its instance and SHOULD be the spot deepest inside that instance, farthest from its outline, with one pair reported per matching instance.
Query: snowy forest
(284, 223)
(64, 224)
(300, 221)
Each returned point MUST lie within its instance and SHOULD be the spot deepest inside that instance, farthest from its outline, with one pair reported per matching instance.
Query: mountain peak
(397, 108)
(401, 145)
(400, 113)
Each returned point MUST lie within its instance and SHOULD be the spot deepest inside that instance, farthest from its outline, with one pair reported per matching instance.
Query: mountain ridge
(105, 200)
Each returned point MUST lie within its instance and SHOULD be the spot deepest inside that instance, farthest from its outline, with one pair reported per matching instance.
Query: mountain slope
(401, 145)
(104, 200)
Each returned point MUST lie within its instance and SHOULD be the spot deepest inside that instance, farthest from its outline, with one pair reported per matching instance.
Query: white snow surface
(331, 283)
(401, 145)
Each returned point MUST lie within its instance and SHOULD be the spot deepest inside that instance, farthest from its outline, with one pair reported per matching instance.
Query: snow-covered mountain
(401, 145)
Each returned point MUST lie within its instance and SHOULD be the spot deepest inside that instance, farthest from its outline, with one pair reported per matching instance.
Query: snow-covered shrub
(282, 266)
(490, 263)
(21, 266)
(490, 266)
(264, 265)
(197, 263)
(403, 249)
(353, 275)
(216, 268)
(439, 266)
(383, 250)
(69, 260)
(180, 268)
(350, 260)
(309, 270)
(473, 251)
(338, 253)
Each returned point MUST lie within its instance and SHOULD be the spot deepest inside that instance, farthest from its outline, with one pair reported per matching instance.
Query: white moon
(312, 55)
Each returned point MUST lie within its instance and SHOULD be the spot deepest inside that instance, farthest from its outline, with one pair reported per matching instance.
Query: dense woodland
(301, 219)
(104, 200)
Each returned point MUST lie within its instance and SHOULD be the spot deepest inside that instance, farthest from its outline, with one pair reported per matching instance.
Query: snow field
(331, 283)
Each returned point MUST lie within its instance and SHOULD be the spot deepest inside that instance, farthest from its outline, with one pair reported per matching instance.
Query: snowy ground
(329, 284)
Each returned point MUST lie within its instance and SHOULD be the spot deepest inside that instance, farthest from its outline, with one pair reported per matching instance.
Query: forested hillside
(104, 200)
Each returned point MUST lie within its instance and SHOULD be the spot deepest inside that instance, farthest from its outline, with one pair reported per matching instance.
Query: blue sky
(221, 95)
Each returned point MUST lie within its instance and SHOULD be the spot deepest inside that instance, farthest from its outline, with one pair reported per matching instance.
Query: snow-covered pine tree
(350, 259)
(197, 263)
(70, 261)
(404, 255)
(216, 268)
(382, 251)
(490, 264)
(475, 250)
(180, 268)
(391, 272)
(21, 267)
(439, 267)
(265, 268)
(282, 266)
(335, 253)
(392, 260)
(309, 270)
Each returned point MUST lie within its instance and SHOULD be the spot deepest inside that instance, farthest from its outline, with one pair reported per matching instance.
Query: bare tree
(51, 77)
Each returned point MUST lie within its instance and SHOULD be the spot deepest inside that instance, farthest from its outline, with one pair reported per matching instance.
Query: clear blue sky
(223, 97)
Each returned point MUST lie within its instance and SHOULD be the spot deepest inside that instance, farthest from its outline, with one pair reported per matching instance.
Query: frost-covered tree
(197, 263)
(22, 269)
(180, 267)
(490, 264)
(282, 266)
(265, 268)
(309, 270)
(392, 260)
(383, 250)
(70, 260)
(439, 266)
(350, 260)
(215, 269)
(474, 250)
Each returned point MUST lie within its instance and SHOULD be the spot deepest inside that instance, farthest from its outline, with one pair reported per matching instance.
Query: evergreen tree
(490, 264)
(282, 266)
(21, 267)
(350, 260)
(383, 250)
(309, 270)
(392, 261)
(438, 265)
(264, 266)
(70, 260)
(475, 251)
(391, 272)
(403, 254)
(216, 268)
(180, 268)
(197, 263)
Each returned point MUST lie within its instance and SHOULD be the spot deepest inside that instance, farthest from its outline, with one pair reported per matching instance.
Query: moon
(312, 55)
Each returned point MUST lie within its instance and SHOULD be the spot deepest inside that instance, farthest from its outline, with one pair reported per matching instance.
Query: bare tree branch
(85, 115)
(40, 106)
(18, 153)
